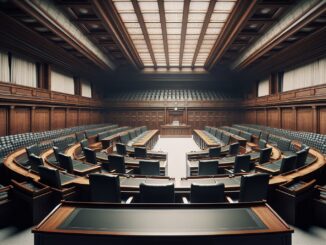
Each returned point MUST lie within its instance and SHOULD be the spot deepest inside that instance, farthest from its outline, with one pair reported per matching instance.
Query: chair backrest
(214, 151)
(56, 152)
(208, 167)
(83, 144)
(104, 188)
(234, 149)
(156, 193)
(33, 149)
(253, 187)
(242, 162)
(288, 164)
(50, 176)
(149, 167)
(35, 162)
(90, 155)
(66, 163)
(117, 163)
(207, 193)
(265, 155)
(262, 144)
(140, 152)
(121, 149)
(302, 157)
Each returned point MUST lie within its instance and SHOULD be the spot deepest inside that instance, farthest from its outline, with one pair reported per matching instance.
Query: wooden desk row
(202, 140)
(149, 140)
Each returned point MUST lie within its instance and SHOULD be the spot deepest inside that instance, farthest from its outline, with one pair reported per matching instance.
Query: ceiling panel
(200, 32)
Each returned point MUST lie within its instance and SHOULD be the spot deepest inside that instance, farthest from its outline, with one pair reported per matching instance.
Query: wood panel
(288, 118)
(21, 122)
(304, 119)
(261, 117)
(273, 118)
(4, 120)
(59, 118)
(41, 120)
(322, 120)
(84, 117)
(151, 118)
(72, 117)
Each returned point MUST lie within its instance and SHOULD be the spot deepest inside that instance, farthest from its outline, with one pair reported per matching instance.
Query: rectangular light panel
(173, 12)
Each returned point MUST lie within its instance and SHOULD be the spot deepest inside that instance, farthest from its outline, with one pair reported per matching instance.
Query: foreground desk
(175, 131)
(73, 223)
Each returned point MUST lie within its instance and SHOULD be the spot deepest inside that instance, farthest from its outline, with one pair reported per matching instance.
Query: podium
(171, 130)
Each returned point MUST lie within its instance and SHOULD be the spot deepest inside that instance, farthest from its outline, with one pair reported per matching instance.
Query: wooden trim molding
(38, 13)
(237, 19)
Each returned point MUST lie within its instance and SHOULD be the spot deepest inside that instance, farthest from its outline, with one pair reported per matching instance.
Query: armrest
(185, 200)
(130, 200)
(229, 199)
(128, 171)
(230, 171)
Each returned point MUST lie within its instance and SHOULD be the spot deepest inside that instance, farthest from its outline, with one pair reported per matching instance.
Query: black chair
(234, 149)
(156, 193)
(50, 177)
(69, 164)
(104, 188)
(208, 167)
(149, 167)
(56, 152)
(253, 187)
(33, 149)
(262, 144)
(116, 164)
(35, 162)
(140, 152)
(214, 152)
(288, 164)
(302, 157)
(121, 149)
(265, 155)
(213, 193)
(90, 155)
(83, 144)
(242, 164)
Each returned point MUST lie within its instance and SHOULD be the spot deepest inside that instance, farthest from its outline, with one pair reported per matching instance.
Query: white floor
(176, 148)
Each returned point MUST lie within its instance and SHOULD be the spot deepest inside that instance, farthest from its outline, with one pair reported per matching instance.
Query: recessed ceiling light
(265, 10)
(41, 29)
(29, 20)
(83, 11)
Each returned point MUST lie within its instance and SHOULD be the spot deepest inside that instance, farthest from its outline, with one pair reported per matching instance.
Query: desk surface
(155, 220)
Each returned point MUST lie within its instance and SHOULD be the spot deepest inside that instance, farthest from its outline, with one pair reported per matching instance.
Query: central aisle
(176, 149)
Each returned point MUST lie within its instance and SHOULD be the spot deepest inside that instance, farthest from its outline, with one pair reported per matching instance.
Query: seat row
(106, 188)
(133, 135)
(169, 94)
(10, 143)
(315, 140)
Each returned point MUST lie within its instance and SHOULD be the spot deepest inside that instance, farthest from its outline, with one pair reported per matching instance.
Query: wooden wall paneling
(41, 120)
(304, 119)
(272, 118)
(3, 121)
(287, 118)
(261, 118)
(72, 118)
(322, 120)
(21, 122)
(59, 118)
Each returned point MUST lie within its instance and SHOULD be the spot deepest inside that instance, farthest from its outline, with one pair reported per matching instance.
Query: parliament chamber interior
(163, 122)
